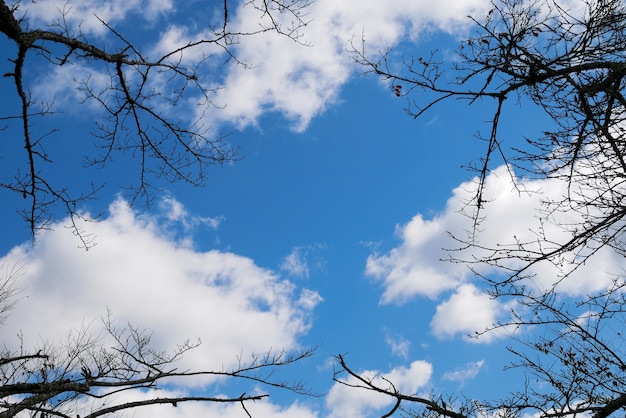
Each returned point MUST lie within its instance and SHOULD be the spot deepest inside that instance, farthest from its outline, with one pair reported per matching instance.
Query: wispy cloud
(295, 264)
(88, 15)
(469, 372)
(399, 345)
(303, 260)
(175, 212)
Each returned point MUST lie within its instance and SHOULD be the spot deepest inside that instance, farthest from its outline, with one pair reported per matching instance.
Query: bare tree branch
(57, 380)
(166, 146)
(571, 66)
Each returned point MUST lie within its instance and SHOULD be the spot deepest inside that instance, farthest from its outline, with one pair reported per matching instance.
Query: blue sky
(329, 231)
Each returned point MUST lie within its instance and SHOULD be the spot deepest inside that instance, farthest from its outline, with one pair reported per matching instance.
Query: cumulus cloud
(301, 82)
(154, 282)
(344, 401)
(466, 312)
(514, 213)
(298, 81)
(415, 267)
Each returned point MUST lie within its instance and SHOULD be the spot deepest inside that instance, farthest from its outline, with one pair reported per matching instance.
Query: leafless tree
(571, 64)
(90, 372)
(86, 377)
(134, 123)
(572, 67)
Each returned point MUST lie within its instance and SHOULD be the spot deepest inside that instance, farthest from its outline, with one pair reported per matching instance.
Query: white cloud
(295, 264)
(469, 372)
(149, 280)
(259, 409)
(344, 401)
(296, 81)
(86, 14)
(59, 85)
(467, 311)
(514, 212)
(302, 260)
(399, 345)
(415, 267)
(175, 212)
(300, 82)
